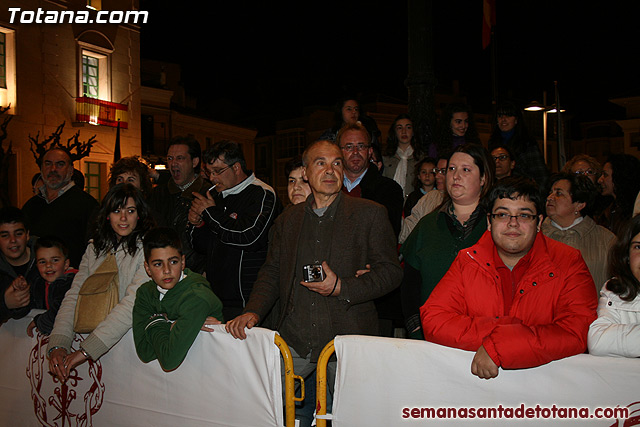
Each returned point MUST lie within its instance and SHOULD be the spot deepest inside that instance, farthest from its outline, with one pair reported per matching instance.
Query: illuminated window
(7, 69)
(90, 76)
(3, 61)
(95, 75)
(94, 65)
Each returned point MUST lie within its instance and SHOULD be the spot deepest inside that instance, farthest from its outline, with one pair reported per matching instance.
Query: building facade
(58, 65)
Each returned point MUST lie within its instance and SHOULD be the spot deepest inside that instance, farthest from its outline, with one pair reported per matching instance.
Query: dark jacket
(49, 296)
(235, 238)
(170, 207)
(412, 200)
(529, 159)
(361, 235)
(428, 253)
(388, 193)
(69, 218)
(7, 275)
(385, 191)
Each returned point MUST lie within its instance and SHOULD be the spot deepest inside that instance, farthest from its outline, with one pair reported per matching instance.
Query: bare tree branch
(74, 147)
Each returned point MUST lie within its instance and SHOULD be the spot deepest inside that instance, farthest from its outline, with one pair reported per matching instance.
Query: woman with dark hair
(620, 179)
(297, 187)
(348, 111)
(401, 153)
(511, 131)
(459, 223)
(616, 331)
(121, 222)
(569, 204)
(131, 170)
(455, 128)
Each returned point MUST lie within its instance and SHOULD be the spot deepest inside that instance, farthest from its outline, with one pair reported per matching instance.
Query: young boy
(52, 261)
(17, 264)
(171, 308)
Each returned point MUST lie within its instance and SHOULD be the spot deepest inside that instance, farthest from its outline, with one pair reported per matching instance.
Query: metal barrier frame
(321, 384)
(290, 398)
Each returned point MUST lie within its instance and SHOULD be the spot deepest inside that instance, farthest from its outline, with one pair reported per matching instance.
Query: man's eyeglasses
(360, 147)
(216, 172)
(501, 157)
(442, 171)
(520, 218)
(588, 172)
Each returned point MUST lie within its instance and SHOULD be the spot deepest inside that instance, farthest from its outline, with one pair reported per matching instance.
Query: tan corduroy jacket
(591, 239)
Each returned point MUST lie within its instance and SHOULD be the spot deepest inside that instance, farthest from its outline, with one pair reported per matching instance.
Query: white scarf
(401, 171)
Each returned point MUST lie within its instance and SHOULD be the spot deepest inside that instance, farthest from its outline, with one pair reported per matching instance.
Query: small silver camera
(313, 273)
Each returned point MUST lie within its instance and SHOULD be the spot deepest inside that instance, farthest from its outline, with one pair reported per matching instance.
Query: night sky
(268, 60)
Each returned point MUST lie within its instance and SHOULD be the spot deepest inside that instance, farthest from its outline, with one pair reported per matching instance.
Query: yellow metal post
(289, 383)
(321, 382)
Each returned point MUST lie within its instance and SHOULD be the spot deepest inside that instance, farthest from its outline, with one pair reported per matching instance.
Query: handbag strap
(109, 265)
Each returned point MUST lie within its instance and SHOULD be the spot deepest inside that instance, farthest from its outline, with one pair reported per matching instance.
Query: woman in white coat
(616, 331)
(121, 222)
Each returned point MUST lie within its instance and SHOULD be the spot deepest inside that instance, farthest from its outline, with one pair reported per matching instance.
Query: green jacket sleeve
(143, 310)
(171, 342)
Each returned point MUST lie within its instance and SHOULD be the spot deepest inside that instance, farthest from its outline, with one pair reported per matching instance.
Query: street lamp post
(534, 106)
(546, 109)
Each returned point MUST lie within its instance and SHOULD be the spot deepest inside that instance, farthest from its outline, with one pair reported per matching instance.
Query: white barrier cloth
(393, 382)
(222, 382)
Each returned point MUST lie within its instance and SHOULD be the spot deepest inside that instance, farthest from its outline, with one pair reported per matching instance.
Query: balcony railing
(99, 112)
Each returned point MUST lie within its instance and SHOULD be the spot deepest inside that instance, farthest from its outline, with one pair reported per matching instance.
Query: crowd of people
(474, 248)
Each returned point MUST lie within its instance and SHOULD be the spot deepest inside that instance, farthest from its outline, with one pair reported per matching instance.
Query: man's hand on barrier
(329, 287)
(236, 326)
(483, 366)
(208, 322)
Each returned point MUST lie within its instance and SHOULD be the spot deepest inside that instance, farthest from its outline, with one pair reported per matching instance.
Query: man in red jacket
(516, 298)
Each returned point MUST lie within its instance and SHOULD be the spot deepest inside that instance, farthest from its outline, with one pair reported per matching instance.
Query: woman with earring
(568, 207)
